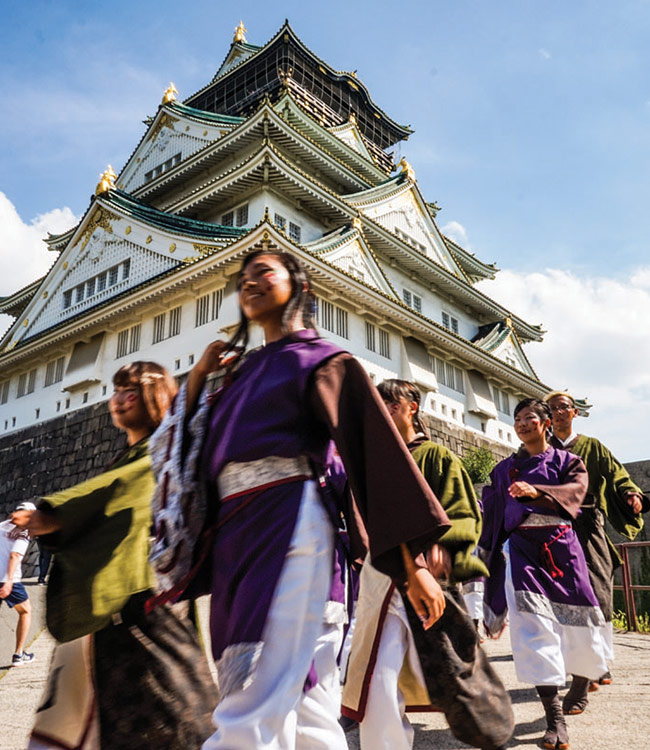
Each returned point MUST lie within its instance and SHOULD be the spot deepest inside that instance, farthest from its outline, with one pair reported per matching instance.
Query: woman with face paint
(265, 532)
(120, 678)
(541, 582)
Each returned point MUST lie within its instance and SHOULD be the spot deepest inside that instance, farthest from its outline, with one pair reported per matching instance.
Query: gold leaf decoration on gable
(100, 219)
(44, 295)
(127, 230)
(203, 249)
(149, 239)
(172, 247)
(166, 121)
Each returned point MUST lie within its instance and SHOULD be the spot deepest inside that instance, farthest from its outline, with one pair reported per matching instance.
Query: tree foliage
(478, 463)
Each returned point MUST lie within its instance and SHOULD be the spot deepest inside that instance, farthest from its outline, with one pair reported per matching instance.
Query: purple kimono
(548, 567)
(287, 402)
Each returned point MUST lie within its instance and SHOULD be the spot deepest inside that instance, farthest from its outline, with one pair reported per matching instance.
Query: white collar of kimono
(571, 437)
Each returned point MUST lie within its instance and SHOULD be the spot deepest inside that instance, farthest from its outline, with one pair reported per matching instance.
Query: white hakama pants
(273, 712)
(544, 650)
(385, 725)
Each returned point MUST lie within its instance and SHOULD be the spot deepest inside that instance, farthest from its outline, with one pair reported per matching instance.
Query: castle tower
(279, 150)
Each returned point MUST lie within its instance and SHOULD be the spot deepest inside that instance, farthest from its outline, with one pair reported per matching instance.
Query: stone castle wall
(61, 452)
(53, 455)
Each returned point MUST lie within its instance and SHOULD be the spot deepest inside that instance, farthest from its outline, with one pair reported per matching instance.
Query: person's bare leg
(24, 611)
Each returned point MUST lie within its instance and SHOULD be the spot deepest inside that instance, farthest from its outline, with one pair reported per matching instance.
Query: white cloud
(456, 232)
(24, 256)
(544, 54)
(597, 345)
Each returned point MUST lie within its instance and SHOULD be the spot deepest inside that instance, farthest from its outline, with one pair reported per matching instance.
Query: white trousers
(273, 712)
(385, 725)
(545, 651)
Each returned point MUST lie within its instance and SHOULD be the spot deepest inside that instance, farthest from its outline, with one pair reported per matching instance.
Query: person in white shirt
(13, 545)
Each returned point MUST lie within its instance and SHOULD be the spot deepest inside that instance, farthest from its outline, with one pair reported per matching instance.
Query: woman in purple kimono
(538, 573)
(250, 525)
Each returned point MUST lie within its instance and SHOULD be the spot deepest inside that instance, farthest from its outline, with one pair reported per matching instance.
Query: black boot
(575, 701)
(556, 736)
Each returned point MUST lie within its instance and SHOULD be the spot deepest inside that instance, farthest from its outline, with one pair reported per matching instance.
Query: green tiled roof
(201, 114)
(171, 222)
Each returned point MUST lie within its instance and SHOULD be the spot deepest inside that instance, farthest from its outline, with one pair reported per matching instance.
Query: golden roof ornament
(240, 33)
(106, 181)
(352, 119)
(407, 169)
(170, 94)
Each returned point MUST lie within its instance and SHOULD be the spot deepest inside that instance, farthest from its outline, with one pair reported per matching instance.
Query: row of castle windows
(165, 167)
(96, 284)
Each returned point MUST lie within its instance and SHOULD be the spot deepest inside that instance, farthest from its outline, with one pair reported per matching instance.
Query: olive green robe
(101, 551)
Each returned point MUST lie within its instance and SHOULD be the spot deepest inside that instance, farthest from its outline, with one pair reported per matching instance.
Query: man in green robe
(611, 495)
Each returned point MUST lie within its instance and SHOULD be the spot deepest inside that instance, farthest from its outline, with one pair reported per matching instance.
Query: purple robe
(290, 399)
(549, 572)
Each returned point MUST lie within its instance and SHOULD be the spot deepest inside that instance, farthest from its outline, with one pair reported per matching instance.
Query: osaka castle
(280, 151)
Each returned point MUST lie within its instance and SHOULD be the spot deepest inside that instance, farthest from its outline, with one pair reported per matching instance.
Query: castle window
(384, 344)
(370, 337)
(4, 392)
(242, 215)
(85, 397)
(227, 219)
(448, 321)
(126, 269)
(101, 282)
(67, 299)
(208, 307)
(128, 341)
(280, 221)
(174, 322)
(448, 374)
(501, 401)
(294, 232)
(332, 318)
(159, 328)
(413, 300)
(113, 274)
(26, 383)
(54, 371)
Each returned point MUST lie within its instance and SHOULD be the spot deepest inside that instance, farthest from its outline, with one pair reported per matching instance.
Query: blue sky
(532, 131)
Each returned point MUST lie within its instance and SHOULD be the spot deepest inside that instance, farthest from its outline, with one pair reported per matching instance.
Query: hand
(35, 521)
(426, 596)
(523, 489)
(438, 561)
(212, 358)
(635, 502)
(5, 589)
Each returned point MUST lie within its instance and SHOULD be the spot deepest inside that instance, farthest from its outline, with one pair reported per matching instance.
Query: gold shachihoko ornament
(106, 181)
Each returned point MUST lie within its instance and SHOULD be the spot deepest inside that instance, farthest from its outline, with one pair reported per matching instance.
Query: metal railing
(628, 588)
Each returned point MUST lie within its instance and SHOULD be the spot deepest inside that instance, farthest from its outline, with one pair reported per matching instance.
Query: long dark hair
(156, 385)
(301, 303)
(393, 389)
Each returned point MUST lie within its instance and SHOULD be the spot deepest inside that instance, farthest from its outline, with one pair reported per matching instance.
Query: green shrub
(479, 462)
